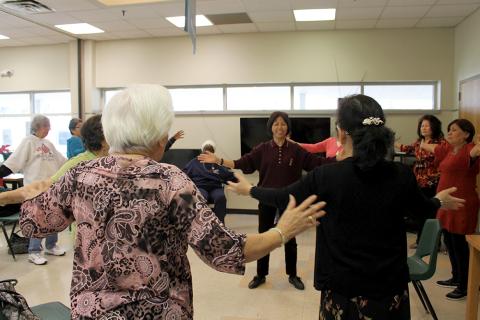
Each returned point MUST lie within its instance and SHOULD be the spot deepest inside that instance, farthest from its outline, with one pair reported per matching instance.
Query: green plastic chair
(419, 269)
(52, 311)
(9, 219)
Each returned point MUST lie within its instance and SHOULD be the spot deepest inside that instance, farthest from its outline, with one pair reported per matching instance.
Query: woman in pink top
(136, 218)
(330, 146)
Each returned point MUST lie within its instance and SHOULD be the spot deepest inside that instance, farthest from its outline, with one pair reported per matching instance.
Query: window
(299, 97)
(258, 98)
(197, 99)
(321, 97)
(18, 109)
(402, 96)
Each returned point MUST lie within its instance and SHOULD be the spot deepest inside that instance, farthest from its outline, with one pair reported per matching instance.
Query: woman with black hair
(279, 163)
(361, 252)
(429, 129)
(458, 165)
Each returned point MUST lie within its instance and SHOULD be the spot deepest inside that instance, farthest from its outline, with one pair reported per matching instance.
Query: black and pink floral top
(135, 220)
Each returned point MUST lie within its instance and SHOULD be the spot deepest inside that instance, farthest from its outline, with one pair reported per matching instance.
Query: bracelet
(441, 202)
(221, 161)
(281, 235)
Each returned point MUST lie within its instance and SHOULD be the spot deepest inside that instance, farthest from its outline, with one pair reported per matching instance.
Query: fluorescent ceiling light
(79, 28)
(2, 37)
(314, 14)
(127, 2)
(200, 21)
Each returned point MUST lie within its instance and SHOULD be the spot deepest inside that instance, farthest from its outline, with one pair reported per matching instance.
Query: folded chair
(419, 269)
(9, 219)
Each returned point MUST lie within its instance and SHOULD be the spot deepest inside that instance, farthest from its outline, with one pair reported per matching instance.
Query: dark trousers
(458, 253)
(217, 197)
(429, 192)
(266, 220)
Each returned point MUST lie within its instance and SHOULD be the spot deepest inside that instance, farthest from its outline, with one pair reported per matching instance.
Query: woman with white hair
(136, 217)
(38, 159)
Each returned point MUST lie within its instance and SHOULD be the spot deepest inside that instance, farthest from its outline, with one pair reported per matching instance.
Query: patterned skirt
(334, 306)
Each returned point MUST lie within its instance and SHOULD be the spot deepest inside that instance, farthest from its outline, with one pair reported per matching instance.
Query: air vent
(26, 6)
(229, 18)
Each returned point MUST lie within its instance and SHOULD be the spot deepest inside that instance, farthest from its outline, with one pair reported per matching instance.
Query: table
(473, 276)
(15, 179)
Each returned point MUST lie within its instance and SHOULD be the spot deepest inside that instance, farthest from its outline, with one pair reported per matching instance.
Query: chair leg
(427, 301)
(8, 241)
(420, 296)
(13, 229)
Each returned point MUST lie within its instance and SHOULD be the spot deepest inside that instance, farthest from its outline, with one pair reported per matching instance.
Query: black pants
(458, 253)
(9, 209)
(217, 197)
(266, 220)
(429, 192)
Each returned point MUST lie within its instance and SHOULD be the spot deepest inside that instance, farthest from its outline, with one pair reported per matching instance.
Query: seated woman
(361, 251)
(74, 143)
(136, 217)
(209, 179)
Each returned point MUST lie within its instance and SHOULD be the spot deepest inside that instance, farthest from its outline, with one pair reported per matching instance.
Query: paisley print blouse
(135, 219)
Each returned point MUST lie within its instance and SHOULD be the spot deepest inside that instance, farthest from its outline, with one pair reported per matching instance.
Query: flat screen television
(305, 130)
(179, 157)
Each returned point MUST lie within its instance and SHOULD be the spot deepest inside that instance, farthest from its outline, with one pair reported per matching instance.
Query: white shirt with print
(36, 157)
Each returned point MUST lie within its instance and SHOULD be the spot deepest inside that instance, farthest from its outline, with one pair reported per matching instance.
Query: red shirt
(458, 170)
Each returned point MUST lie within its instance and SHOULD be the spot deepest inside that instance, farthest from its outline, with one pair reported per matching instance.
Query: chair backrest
(428, 244)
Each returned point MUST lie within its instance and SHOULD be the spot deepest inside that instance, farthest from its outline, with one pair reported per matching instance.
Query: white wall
(467, 49)
(36, 68)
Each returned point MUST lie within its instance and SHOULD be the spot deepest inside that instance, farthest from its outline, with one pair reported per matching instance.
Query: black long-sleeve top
(278, 166)
(361, 241)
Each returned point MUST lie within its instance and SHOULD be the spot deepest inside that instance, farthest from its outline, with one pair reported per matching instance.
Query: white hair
(38, 122)
(208, 143)
(137, 118)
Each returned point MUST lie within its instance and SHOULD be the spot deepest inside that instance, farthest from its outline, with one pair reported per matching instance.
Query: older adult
(209, 179)
(361, 252)
(429, 130)
(74, 143)
(279, 163)
(458, 165)
(38, 159)
(136, 217)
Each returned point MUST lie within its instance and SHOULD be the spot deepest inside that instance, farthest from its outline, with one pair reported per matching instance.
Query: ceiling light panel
(2, 37)
(79, 28)
(314, 14)
(200, 21)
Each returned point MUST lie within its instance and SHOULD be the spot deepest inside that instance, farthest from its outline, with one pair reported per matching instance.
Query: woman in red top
(429, 129)
(458, 165)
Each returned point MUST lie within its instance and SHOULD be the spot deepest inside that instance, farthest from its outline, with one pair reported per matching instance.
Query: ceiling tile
(130, 34)
(404, 12)
(275, 26)
(166, 32)
(358, 13)
(149, 23)
(56, 18)
(12, 43)
(271, 16)
(169, 9)
(220, 6)
(41, 31)
(91, 16)
(266, 5)
(13, 21)
(315, 25)
(457, 1)
(362, 3)
(313, 4)
(70, 5)
(238, 28)
(355, 24)
(208, 30)
(439, 22)
(394, 3)
(452, 10)
(396, 23)
(116, 25)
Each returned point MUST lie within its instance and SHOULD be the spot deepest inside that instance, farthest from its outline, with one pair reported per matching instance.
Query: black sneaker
(256, 281)
(297, 282)
(450, 283)
(456, 294)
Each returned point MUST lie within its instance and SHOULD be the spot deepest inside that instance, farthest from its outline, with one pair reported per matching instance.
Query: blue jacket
(208, 175)
(74, 146)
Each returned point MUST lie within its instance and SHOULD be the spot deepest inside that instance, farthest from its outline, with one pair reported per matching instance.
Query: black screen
(253, 131)
(180, 157)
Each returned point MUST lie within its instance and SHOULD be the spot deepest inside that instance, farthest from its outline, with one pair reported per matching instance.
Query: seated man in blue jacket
(209, 179)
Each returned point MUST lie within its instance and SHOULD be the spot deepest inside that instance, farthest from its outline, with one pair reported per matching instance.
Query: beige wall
(467, 49)
(36, 68)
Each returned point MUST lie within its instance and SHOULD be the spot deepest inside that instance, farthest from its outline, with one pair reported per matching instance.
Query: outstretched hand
(296, 219)
(207, 157)
(179, 135)
(242, 186)
(448, 201)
